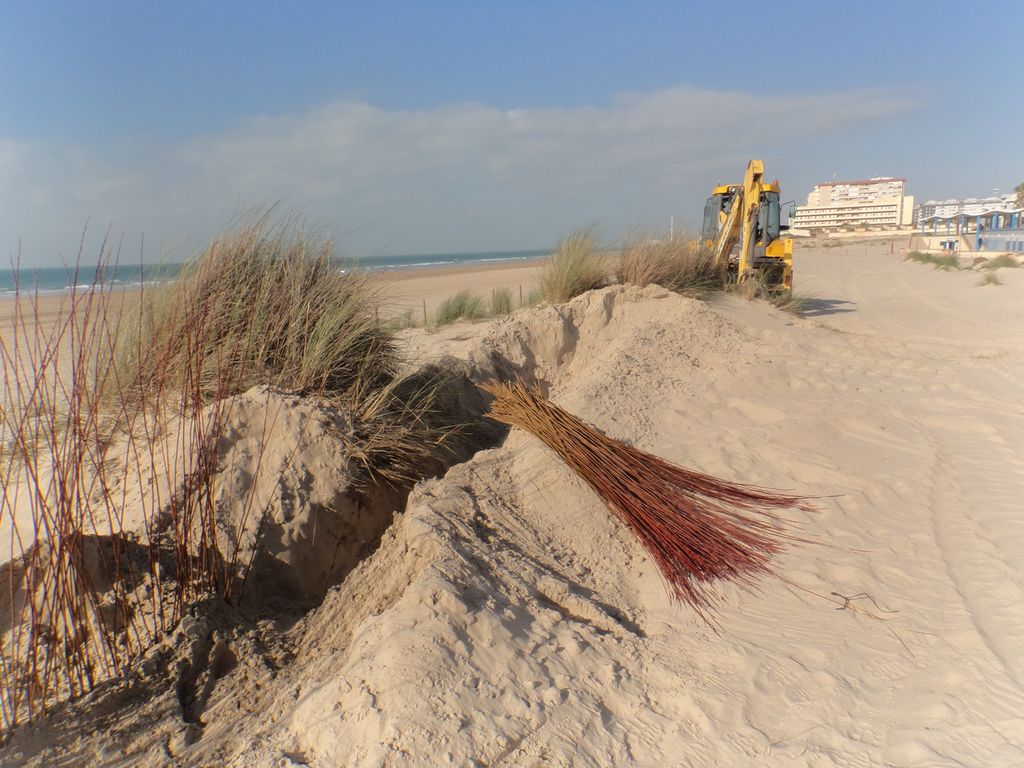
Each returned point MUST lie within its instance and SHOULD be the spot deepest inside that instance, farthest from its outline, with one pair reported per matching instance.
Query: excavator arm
(748, 223)
(741, 220)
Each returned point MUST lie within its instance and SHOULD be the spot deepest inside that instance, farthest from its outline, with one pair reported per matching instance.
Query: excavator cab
(742, 227)
(714, 212)
(769, 219)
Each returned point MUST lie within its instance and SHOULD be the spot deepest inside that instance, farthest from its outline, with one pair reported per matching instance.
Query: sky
(429, 127)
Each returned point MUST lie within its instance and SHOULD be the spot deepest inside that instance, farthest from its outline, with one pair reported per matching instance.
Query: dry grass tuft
(577, 266)
(464, 305)
(697, 528)
(401, 322)
(790, 302)
(275, 308)
(1002, 261)
(501, 301)
(678, 264)
(989, 278)
(533, 297)
(754, 287)
(945, 262)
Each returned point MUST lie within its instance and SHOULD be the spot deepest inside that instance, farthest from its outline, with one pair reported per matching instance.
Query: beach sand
(507, 619)
(408, 289)
(403, 289)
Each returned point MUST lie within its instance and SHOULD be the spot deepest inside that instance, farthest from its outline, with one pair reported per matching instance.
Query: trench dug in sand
(500, 616)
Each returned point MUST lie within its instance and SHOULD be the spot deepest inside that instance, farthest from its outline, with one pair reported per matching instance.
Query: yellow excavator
(742, 227)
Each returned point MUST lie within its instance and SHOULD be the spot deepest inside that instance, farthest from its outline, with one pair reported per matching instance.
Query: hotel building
(878, 203)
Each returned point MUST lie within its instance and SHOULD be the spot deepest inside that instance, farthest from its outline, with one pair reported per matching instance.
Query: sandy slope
(505, 619)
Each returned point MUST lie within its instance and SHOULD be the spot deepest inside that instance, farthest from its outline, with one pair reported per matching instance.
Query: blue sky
(446, 126)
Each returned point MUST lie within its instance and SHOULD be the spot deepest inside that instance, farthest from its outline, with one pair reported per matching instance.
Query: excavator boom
(742, 228)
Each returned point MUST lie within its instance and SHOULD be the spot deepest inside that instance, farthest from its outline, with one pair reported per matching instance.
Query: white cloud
(455, 177)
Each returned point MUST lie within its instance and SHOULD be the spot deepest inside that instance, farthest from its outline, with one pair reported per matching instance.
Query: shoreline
(31, 288)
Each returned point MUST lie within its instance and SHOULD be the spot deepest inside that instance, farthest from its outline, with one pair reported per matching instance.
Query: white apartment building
(971, 206)
(877, 203)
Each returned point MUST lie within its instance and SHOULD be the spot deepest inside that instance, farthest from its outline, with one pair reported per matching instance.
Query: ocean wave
(115, 285)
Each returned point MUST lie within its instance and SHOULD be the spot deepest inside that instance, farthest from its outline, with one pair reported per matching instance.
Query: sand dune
(507, 619)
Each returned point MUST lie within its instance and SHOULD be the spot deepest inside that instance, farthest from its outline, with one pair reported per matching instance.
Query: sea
(56, 280)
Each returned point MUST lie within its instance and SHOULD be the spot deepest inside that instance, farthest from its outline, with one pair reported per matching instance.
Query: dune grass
(577, 266)
(464, 305)
(401, 322)
(945, 262)
(1002, 261)
(793, 303)
(264, 304)
(676, 263)
(501, 301)
(989, 278)
(273, 307)
(755, 287)
(533, 297)
(119, 392)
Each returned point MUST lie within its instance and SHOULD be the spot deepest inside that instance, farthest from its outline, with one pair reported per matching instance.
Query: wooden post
(424, 313)
(520, 297)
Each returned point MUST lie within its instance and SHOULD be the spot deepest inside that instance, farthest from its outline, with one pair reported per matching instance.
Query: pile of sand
(504, 618)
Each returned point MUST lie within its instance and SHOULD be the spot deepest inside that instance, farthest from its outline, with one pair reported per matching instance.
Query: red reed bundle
(697, 528)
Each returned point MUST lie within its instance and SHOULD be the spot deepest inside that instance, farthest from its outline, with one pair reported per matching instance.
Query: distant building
(878, 203)
(971, 206)
(975, 224)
